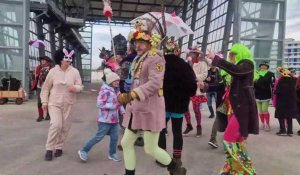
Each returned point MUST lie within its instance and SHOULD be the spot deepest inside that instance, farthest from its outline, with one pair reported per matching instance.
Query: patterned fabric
(42, 76)
(109, 107)
(238, 161)
(225, 107)
(197, 99)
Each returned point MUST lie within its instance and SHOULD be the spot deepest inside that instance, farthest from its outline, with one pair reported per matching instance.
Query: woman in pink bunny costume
(58, 96)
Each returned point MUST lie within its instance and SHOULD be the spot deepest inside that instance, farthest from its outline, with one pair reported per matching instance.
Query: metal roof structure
(123, 10)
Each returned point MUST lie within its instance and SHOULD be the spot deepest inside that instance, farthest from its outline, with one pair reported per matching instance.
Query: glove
(125, 98)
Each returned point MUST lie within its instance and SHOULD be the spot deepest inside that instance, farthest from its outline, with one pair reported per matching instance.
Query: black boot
(199, 131)
(281, 133)
(48, 155)
(58, 153)
(139, 141)
(47, 117)
(39, 119)
(176, 169)
(129, 172)
(211, 110)
(189, 128)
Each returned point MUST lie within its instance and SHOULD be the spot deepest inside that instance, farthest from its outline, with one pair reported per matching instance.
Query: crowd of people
(150, 87)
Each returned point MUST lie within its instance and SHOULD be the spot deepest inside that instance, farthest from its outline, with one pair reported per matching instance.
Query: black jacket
(214, 83)
(179, 84)
(263, 86)
(241, 95)
(286, 106)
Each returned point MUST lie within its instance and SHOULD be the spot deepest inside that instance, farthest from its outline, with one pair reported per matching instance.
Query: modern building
(259, 24)
(292, 54)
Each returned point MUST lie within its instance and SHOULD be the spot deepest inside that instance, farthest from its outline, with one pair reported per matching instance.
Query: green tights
(263, 106)
(151, 148)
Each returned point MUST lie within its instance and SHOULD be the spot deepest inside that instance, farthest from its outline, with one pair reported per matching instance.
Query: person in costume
(263, 93)
(213, 80)
(58, 96)
(40, 75)
(179, 86)
(145, 110)
(125, 66)
(200, 68)
(222, 100)
(108, 119)
(286, 106)
(244, 120)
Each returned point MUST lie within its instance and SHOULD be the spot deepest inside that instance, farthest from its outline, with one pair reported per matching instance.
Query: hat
(143, 32)
(45, 58)
(195, 49)
(171, 47)
(283, 71)
(264, 64)
(110, 76)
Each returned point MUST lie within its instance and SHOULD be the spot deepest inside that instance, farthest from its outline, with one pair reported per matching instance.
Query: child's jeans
(104, 129)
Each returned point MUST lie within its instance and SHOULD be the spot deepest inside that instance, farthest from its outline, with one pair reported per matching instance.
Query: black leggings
(177, 134)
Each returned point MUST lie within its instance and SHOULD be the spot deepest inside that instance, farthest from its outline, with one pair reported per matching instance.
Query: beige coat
(201, 71)
(148, 113)
(55, 89)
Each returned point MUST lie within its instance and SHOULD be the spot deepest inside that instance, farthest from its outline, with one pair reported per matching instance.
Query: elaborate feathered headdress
(143, 31)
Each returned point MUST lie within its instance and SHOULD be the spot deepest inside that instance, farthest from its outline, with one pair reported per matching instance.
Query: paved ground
(22, 143)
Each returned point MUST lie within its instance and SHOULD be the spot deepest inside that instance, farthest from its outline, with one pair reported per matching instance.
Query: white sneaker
(114, 157)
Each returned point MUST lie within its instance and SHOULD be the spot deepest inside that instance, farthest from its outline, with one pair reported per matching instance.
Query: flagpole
(112, 41)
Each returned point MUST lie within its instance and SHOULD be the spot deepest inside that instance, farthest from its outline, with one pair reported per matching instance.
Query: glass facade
(86, 33)
(12, 38)
(262, 30)
(257, 24)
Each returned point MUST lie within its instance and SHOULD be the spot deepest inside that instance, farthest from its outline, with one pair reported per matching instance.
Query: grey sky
(101, 33)
(293, 19)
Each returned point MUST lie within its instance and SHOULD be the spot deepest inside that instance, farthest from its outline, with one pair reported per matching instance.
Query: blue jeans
(210, 96)
(104, 129)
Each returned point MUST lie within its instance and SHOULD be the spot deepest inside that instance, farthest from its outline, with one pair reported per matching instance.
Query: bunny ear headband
(68, 56)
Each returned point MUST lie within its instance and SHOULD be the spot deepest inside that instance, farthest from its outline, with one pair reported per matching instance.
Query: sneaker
(48, 155)
(83, 155)
(281, 133)
(188, 129)
(213, 143)
(114, 157)
(298, 132)
(199, 132)
(39, 119)
(290, 135)
(58, 153)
